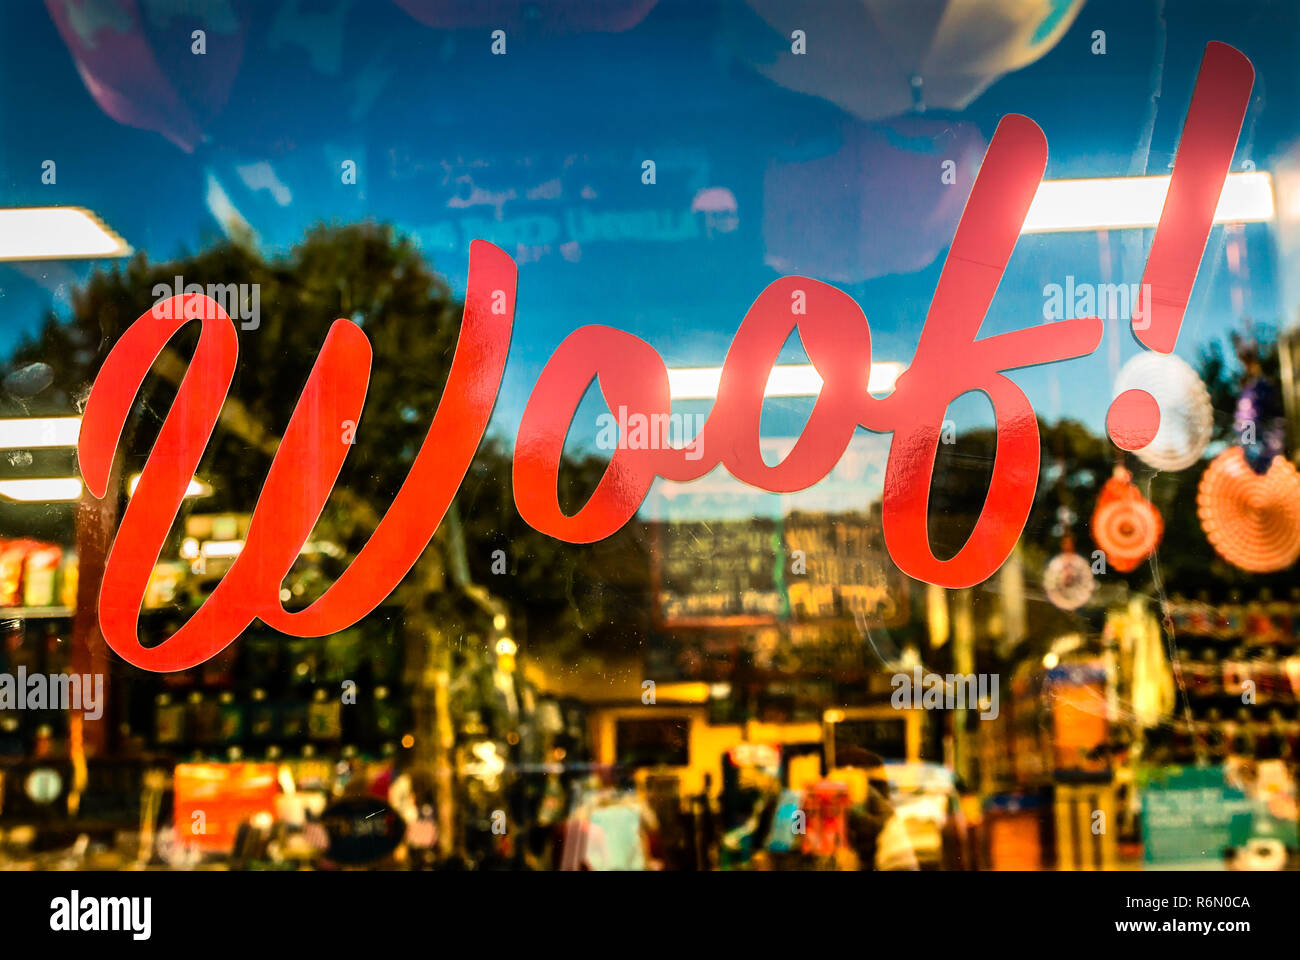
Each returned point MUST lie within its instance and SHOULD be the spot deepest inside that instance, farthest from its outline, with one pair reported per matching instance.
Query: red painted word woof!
(950, 360)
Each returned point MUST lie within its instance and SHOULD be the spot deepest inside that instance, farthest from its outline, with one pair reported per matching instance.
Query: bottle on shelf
(230, 719)
(324, 716)
(1243, 735)
(1216, 741)
(261, 718)
(169, 721)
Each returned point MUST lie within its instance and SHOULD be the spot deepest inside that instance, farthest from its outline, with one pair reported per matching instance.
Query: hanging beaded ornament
(1068, 581)
(1067, 578)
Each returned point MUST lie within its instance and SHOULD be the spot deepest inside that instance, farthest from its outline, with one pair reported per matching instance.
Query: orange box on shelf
(213, 799)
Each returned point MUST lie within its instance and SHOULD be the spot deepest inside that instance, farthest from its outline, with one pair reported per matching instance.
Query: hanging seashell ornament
(1186, 417)
(1251, 519)
(1124, 523)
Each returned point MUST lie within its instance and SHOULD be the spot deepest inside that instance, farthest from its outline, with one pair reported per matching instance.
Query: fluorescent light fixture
(197, 487)
(1123, 203)
(785, 380)
(221, 548)
(33, 432)
(56, 233)
(41, 489)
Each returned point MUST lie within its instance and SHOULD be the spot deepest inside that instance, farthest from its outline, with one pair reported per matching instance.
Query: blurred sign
(719, 573)
(950, 360)
(1191, 814)
(756, 755)
(362, 830)
(846, 570)
(806, 567)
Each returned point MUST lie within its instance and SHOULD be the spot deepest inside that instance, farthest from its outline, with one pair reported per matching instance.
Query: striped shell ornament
(1125, 524)
(1252, 520)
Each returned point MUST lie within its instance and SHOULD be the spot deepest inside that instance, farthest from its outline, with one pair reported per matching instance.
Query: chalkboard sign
(719, 573)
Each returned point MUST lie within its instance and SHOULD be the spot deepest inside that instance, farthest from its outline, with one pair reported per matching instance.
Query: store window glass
(738, 435)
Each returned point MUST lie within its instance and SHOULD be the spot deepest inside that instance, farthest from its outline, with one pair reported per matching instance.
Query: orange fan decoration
(1125, 524)
(1251, 519)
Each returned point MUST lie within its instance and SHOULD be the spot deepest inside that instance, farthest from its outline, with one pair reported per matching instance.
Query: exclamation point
(1200, 169)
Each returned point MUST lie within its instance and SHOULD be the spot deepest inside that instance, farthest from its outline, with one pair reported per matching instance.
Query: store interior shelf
(34, 613)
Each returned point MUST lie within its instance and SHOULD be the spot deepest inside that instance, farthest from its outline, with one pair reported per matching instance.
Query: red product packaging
(40, 567)
(12, 555)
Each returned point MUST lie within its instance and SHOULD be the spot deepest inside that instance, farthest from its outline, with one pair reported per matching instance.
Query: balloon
(878, 205)
(138, 62)
(147, 78)
(556, 16)
(880, 58)
(1251, 520)
(1186, 416)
